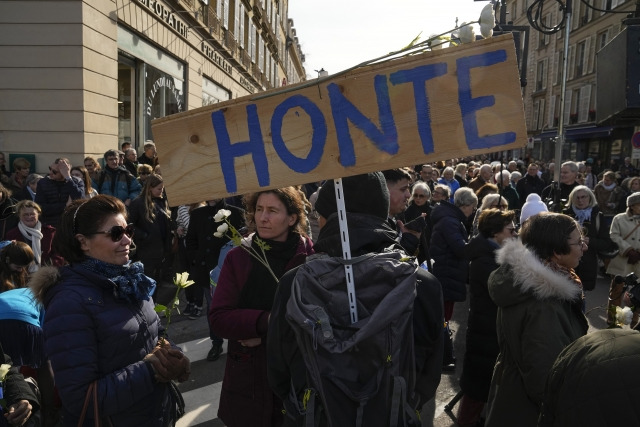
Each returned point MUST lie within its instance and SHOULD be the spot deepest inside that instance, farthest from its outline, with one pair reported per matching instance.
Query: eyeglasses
(116, 232)
(419, 196)
(580, 242)
(112, 159)
(53, 171)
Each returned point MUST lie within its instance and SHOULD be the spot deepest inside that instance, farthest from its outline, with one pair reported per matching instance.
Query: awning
(580, 133)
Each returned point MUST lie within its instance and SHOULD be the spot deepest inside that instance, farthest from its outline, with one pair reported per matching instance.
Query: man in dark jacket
(203, 250)
(367, 205)
(131, 161)
(568, 176)
(149, 156)
(57, 190)
(530, 183)
(116, 180)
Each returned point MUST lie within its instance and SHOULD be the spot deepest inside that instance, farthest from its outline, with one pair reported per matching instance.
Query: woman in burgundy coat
(242, 302)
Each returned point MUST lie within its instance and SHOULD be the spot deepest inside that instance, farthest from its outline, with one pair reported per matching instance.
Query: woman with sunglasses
(496, 227)
(100, 325)
(150, 215)
(539, 299)
(417, 217)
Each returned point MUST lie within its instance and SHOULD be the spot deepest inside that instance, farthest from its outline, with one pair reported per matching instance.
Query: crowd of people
(86, 248)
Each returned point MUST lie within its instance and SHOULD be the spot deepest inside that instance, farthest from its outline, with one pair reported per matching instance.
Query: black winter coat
(203, 248)
(448, 239)
(482, 339)
(598, 234)
(52, 196)
(152, 238)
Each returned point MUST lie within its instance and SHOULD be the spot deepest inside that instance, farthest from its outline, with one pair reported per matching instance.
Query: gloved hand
(633, 256)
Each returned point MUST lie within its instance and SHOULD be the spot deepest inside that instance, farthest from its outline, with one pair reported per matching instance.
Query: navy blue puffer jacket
(90, 335)
(448, 239)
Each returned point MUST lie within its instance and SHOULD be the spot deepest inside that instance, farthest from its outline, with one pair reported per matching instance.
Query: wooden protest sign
(447, 103)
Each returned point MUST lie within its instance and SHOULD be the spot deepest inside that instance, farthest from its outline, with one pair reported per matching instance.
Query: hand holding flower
(18, 413)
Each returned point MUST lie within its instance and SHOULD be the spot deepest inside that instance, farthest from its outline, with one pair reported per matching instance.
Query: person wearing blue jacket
(100, 325)
(116, 180)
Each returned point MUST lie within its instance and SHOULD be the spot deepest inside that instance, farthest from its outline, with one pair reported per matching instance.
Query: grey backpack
(362, 373)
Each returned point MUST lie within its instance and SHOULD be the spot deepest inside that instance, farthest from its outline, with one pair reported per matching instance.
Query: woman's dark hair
(84, 217)
(18, 253)
(493, 221)
(548, 233)
(86, 179)
(292, 200)
(149, 205)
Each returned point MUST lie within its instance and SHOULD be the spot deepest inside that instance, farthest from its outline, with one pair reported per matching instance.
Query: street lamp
(322, 72)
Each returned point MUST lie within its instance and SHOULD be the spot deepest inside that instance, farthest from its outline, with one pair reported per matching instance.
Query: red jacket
(48, 256)
(246, 398)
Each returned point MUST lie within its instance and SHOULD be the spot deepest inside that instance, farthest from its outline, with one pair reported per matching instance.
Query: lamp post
(322, 72)
(563, 90)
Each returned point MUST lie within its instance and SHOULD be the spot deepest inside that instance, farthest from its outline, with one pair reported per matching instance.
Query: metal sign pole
(563, 90)
(346, 249)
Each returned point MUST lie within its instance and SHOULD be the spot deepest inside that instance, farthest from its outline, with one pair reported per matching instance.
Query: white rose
(487, 21)
(436, 43)
(467, 33)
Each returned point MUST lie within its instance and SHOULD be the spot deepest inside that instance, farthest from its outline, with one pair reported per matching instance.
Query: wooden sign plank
(437, 105)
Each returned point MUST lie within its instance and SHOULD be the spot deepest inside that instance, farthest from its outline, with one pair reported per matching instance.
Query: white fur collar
(531, 275)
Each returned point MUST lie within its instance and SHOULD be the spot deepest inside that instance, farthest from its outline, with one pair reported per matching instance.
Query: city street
(201, 392)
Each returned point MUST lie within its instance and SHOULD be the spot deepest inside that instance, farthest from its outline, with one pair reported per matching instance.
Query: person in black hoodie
(367, 205)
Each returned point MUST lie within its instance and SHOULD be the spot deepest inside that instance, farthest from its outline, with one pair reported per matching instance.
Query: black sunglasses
(116, 232)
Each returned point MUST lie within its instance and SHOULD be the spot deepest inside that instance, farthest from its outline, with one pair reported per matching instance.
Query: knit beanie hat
(633, 199)
(533, 206)
(366, 193)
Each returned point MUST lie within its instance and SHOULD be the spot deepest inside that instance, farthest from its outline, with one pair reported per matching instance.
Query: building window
(212, 93)
(602, 39)
(541, 75)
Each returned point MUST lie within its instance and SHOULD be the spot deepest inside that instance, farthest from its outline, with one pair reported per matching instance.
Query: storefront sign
(215, 57)
(166, 14)
(448, 103)
(247, 85)
(163, 82)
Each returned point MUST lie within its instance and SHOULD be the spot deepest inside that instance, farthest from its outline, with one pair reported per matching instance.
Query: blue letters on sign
(385, 139)
(228, 152)
(318, 140)
(469, 105)
(418, 76)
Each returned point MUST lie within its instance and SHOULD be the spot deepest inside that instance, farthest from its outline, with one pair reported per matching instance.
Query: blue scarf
(582, 215)
(131, 283)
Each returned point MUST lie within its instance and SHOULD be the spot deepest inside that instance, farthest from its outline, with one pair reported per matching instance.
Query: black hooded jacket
(367, 233)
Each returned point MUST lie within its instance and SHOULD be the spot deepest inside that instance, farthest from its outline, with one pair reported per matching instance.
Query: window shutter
(572, 62)
(585, 99)
(541, 114)
(225, 14)
(545, 72)
(552, 111)
(586, 65)
(556, 65)
(536, 112)
(567, 106)
(241, 25)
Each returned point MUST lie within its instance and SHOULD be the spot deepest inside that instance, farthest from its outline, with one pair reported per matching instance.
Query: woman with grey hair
(440, 192)
(448, 239)
(461, 173)
(29, 190)
(490, 201)
(449, 180)
(583, 207)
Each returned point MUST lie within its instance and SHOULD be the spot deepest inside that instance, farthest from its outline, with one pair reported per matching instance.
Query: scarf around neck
(568, 273)
(582, 215)
(34, 235)
(131, 284)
